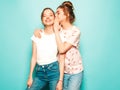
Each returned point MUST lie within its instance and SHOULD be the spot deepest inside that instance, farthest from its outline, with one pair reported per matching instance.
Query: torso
(46, 49)
(73, 60)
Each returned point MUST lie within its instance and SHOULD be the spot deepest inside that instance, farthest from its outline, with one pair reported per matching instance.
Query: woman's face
(48, 17)
(60, 15)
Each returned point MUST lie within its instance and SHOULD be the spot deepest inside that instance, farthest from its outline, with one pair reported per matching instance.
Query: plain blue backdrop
(99, 22)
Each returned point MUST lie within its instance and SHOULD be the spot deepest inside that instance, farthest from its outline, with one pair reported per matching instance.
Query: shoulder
(38, 30)
(76, 30)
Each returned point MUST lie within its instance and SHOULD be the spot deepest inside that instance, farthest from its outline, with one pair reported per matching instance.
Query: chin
(49, 24)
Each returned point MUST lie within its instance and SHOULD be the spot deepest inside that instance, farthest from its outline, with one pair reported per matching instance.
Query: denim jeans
(72, 81)
(46, 74)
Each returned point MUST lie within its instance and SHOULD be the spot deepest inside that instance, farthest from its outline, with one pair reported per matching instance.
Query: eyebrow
(57, 11)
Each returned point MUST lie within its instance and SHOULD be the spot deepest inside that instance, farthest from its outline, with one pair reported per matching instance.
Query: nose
(47, 17)
(55, 14)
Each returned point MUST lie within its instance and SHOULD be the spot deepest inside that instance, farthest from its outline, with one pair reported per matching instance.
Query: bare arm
(33, 63)
(61, 59)
(61, 64)
(62, 47)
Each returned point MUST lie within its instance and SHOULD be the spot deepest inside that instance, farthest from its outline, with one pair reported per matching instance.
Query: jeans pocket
(54, 67)
(37, 68)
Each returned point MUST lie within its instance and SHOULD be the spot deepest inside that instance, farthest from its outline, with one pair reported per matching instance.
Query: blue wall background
(99, 22)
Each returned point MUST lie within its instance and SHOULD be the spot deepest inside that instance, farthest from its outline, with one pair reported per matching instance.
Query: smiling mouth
(47, 20)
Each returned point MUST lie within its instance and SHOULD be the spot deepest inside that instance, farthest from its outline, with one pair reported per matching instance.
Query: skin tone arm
(62, 47)
(61, 67)
(33, 63)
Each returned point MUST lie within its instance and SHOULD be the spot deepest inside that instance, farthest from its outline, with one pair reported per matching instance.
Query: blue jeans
(72, 81)
(46, 74)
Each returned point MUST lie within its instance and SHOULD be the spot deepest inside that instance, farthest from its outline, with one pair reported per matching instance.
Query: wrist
(60, 80)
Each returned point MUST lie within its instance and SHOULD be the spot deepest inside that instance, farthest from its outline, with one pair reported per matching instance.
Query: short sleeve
(35, 39)
(74, 37)
(62, 36)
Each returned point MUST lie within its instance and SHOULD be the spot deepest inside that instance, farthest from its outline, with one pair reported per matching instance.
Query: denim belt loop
(43, 66)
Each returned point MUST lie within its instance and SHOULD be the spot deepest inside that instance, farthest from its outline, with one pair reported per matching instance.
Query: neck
(48, 29)
(66, 25)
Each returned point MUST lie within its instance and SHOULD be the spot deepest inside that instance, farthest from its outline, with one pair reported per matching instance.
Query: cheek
(56, 14)
(52, 18)
(43, 19)
(58, 17)
(61, 17)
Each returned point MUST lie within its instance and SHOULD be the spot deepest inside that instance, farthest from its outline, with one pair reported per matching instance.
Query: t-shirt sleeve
(34, 39)
(74, 37)
(62, 37)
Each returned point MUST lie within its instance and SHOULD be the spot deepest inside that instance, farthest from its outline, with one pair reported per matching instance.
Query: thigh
(75, 81)
(53, 70)
(37, 84)
(53, 84)
(53, 75)
(66, 81)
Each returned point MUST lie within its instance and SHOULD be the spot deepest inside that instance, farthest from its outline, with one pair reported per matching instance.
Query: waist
(44, 61)
(47, 65)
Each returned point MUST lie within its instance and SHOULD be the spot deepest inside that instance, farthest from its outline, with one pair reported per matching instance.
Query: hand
(59, 85)
(56, 25)
(29, 82)
(37, 33)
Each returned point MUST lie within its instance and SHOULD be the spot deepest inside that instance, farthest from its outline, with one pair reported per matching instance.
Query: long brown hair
(68, 8)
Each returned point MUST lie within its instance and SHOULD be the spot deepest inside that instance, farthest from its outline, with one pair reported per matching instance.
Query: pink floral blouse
(73, 61)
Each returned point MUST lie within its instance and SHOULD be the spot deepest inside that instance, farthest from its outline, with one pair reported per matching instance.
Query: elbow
(62, 51)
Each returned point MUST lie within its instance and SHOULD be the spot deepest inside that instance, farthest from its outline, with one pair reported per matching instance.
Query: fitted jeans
(46, 74)
(72, 81)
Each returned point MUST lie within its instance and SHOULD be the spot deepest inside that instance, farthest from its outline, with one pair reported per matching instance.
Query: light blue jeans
(46, 74)
(72, 81)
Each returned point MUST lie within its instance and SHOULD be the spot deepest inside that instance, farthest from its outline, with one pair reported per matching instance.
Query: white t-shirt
(46, 48)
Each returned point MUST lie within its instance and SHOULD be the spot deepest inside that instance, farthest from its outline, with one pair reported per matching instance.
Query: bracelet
(60, 80)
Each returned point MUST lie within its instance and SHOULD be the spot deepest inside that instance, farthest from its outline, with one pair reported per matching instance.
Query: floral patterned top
(73, 60)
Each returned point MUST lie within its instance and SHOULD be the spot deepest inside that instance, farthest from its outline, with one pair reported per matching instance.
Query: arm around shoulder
(37, 33)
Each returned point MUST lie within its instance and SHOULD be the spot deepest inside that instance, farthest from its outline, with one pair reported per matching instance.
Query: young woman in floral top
(67, 37)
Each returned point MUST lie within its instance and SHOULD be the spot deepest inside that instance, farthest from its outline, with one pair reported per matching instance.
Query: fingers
(59, 86)
(28, 86)
(29, 83)
(37, 33)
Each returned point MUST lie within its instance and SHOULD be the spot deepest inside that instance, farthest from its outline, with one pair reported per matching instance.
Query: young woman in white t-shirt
(44, 56)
